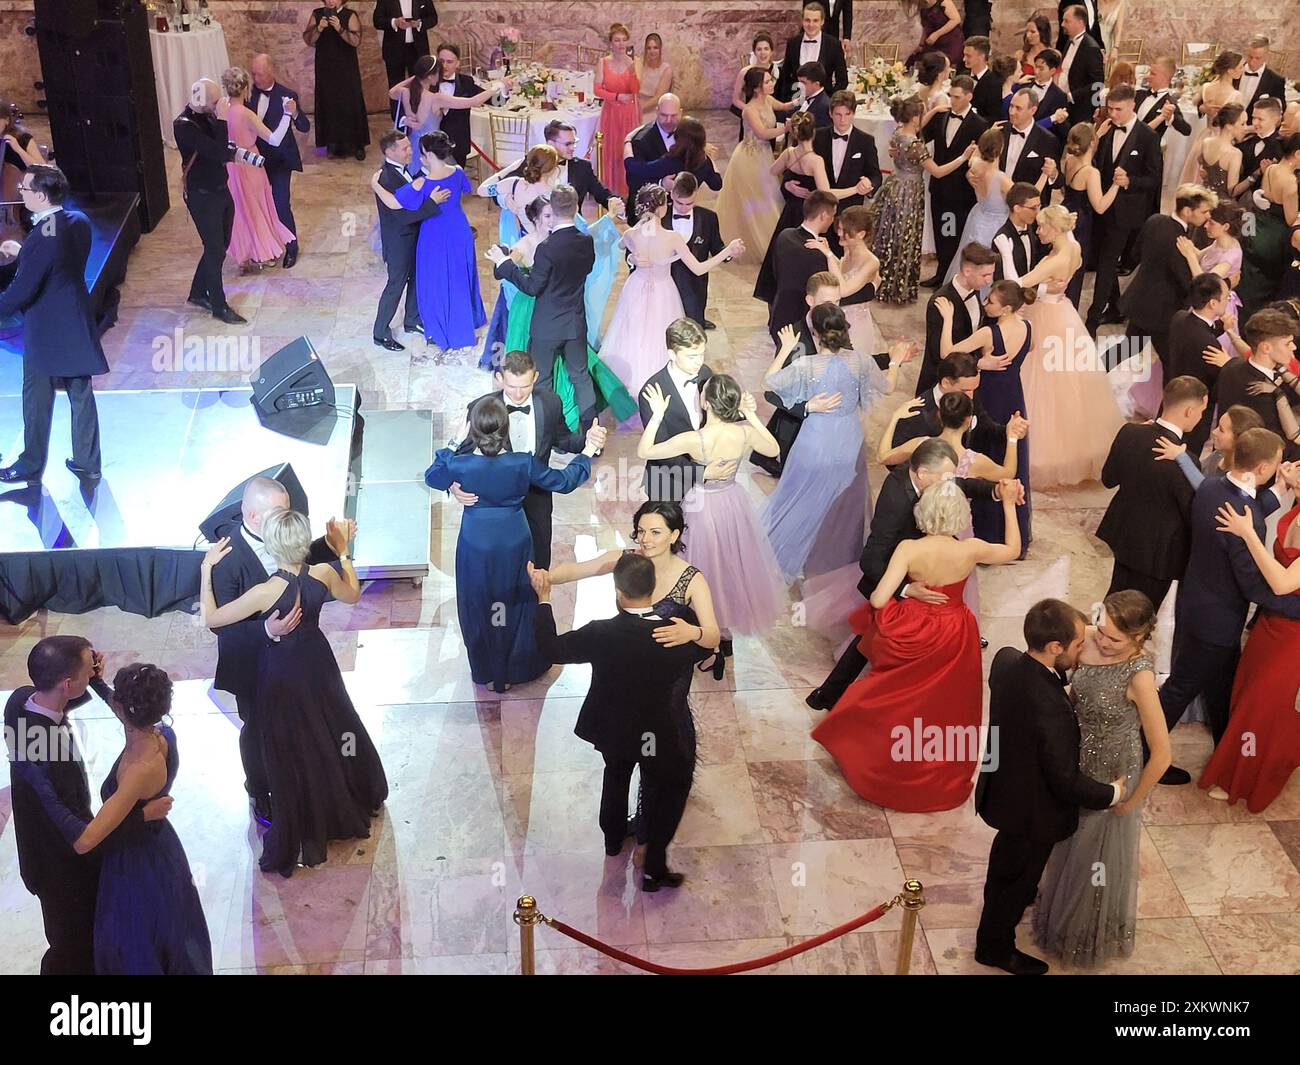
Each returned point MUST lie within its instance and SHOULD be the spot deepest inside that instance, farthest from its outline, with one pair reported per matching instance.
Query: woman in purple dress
(940, 29)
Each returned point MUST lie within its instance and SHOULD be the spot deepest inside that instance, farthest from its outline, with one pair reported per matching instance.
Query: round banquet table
(583, 118)
(179, 60)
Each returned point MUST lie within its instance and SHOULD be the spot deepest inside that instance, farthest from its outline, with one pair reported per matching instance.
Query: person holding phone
(405, 25)
(341, 126)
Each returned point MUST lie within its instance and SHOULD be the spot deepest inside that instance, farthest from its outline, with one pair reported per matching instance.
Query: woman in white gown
(750, 201)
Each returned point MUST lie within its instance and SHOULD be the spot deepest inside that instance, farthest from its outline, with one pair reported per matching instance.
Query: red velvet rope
(721, 970)
(490, 161)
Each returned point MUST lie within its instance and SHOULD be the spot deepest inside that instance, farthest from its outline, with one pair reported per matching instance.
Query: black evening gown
(340, 104)
(791, 217)
(1002, 395)
(1076, 200)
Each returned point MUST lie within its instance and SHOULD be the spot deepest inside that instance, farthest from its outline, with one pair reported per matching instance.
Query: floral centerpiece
(533, 82)
(507, 41)
(881, 78)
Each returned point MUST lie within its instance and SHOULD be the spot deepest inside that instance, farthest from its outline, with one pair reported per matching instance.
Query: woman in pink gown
(617, 85)
(258, 235)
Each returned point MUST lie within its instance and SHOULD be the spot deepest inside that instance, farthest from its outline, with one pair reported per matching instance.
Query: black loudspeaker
(102, 101)
(291, 379)
(230, 509)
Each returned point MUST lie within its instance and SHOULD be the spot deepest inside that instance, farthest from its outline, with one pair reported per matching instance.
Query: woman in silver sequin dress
(1087, 901)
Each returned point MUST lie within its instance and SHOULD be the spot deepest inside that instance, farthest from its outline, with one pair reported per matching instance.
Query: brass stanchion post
(913, 901)
(598, 165)
(527, 918)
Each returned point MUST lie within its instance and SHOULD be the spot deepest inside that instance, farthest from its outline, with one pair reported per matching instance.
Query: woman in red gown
(907, 735)
(1262, 745)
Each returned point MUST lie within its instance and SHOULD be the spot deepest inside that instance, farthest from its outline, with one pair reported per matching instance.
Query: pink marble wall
(704, 39)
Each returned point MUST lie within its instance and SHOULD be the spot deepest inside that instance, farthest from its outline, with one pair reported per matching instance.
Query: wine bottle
(185, 16)
(205, 16)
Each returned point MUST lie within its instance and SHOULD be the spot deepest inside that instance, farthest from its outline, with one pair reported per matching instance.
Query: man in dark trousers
(537, 426)
(1027, 148)
(1030, 787)
(974, 273)
(852, 161)
(398, 231)
(813, 45)
(977, 20)
(1147, 524)
(268, 100)
(1083, 69)
(47, 783)
(60, 338)
(636, 712)
(1016, 244)
(1194, 332)
(950, 133)
(650, 142)
(239, 646)
(1254, 382)
(986, 97)
(560, 268)
(699, 228)
(681, 380)
(405, 26)
(793, 263)
(1220, 583)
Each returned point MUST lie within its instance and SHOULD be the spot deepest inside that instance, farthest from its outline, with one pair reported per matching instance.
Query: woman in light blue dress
(991, 185)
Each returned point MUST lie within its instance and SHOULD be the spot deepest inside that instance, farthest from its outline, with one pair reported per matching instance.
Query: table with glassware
(566, 96)
(179, 60)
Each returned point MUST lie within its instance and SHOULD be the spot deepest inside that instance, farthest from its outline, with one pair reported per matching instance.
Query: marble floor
(493, 796)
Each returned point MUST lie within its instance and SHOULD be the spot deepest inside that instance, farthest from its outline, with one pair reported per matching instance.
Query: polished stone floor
(493, 796)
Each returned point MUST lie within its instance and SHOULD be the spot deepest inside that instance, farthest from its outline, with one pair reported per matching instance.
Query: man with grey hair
(1257, 80)
(272, 101)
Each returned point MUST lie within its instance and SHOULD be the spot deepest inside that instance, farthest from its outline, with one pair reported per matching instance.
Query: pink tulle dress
(258, 234)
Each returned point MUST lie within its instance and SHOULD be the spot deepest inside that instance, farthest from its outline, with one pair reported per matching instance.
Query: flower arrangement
(881, 77)
(508, 39)
(533, 83)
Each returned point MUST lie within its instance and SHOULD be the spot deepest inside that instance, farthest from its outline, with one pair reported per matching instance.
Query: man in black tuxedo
(1220, 583)
(1157, 106)
(45, 758)
(793, 263)
(1257, 79)
(987, 95)
(1051, 104)
(974, 273)
(1087, 17)
(1083, 70)
(268, 100)
(239, 646)
(650, 142)
(699, 228)
(959, 372)
(812, 79)
(892, 522)
(1271, 336)
(61, 346)
(1147, 524)
(813, 45)
(636, 711)
(1160, 284)
(1028, 150)
(852, 162)
(1016, 244)
(398, 230)
(950, 133)
(455, 121)
(681, 380)
(1030, 787)
(1128, 155)
(1262, 146)
(537, 426)
(839, 18)
(405, 25)
(573, 170)
(1193, 332)
(977, 20)
(560, 268)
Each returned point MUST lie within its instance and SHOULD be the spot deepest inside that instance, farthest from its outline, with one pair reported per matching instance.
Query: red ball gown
(1261, 748)
(906, 736)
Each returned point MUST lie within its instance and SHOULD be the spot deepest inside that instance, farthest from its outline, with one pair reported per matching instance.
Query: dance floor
(495, 797)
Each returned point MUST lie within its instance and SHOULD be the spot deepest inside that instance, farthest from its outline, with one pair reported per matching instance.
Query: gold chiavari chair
(509, 137)
(526, 50)
(589, 57)
(1197, 52)
(853, 52)
(1281, 62)
(886, 50)
(1130, 50)
(596, 156)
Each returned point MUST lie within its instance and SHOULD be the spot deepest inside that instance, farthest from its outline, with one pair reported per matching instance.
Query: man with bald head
(239, 646)
(268, 100)
(652, 141)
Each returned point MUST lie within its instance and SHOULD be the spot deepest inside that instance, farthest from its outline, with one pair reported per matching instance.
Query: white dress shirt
(263, 102)
(36, 708)
(953, 125)
(1250, 83)
(965, 298)
(1249, 489)
(688, 391)
(1002, 244)
(810, 49)
(839, 149)
(1148, 106)
(1119, 137)
(1016, 146)
(523, 427)
(685, 226)
(1063, 78)
(406, 13)
(669, 139)
(259, 549)
(1171, 427)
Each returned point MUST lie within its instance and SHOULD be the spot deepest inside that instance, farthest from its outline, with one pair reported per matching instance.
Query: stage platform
(170, 455)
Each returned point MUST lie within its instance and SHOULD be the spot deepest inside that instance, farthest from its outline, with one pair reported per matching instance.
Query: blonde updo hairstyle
(235, 82)
(287, 535)
(1058, 218)
(943, 509)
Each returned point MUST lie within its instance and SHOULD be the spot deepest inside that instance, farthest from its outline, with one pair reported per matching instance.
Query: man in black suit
(813, 45)
(60, 338)
(1220, 583)
(987, 95)
(959, 372)
(650, 142)
(573, 170)
(1016, 244)
(1083, 70)
(1160, 284)
(950, 133)
(636, 712)
(1192, 333)
(268, 100)
(977, 19)
(699, 228)
(1051, 104)
(812, 79)
(1257, 79)
(1128, 155)
(892, 522)
(398, 230)
(455, 121)
(1087, 17)
(681, 380)
(839, 18)
(239, 646)
(50, 799)
(405, 25)
(974, 273)
(1030, 153)
(852, 162)
(1030, 787)
(1271, 336)
(1262, 146)
(1147, 524)
(1157, 106)
(793, 263)
(537, 426)
(560, 268)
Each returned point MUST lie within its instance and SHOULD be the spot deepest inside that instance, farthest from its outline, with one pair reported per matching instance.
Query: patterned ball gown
(899, 207)
(148, 918)
(749, 204)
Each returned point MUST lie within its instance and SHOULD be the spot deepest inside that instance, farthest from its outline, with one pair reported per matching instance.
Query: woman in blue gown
(494, 596)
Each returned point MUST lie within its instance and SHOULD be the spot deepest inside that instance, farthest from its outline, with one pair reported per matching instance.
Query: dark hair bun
(143, 692)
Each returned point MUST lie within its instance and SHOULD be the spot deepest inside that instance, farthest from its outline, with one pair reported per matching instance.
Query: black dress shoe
(654, 883)
(290, 255)
(1174, 775)
(230, 316)
(818, 700)
(13, 475)
(1018, 964)
(200, 301)
(360, 154)
(389, 343)
(932, 282)
(709, 325)
(1111, 317)
(1125, 269)
(415, 327)
(84, 474)
(262, 810)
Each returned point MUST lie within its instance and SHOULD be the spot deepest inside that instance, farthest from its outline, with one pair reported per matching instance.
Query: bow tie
(1022, 232)
(527, 408)
(1017, 133)
(693, 381)
(839, 136)
(1250, 73)
(1123, 129)
(951, 116)
(677, 216)
(807, 41)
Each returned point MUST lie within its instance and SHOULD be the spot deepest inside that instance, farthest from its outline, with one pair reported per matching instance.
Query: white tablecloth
(584, 119)
(179, 60)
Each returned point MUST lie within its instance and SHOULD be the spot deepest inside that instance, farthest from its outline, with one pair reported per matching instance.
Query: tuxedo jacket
(638, 689)
(394, 41)
(60, 337)
(1189, 336)
(285, 155)
(1269, 83)
(984, 436)
(861, 160)
(1222, 579)
(1051, 98)
(1159, 285)
(1040, 145)
(792, 266)
(830, 56)
(668, 480)
(953, 191)
(839, 18)
(1231, 388)
(647, 146)
(1094, 23)
(962, 328)
(577, 172)
(987, 98)
(1140, 157)
(560, 268)
(1254, 150)
(1148, 522)
(1009, 245)
(1037, 787)
(820, 109)
(455, 121)
(704, 242)
(399, 228)
(1087, 77)
(1159, 100)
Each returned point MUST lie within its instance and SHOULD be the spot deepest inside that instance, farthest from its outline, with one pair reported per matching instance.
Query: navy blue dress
(1002, 394)
(494, 597)
(1076, 200)
(148, 918)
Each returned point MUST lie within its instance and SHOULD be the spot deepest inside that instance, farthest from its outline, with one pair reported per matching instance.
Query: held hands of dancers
(1010, 492)
(338, 534)
(541, 582)
(596, 437)
(902, 351)
(1017, 427)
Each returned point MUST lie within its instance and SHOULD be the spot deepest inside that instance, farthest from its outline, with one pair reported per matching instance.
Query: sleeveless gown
(340, 102)
(148, 918)
(326, 778)
(1076, 200)
(1213, 256)
(749, 204)
(617, 120)
(950, 44)
(633, 346)
(257, 235)
(1002, 394)
(982, 223)
(900, 215)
